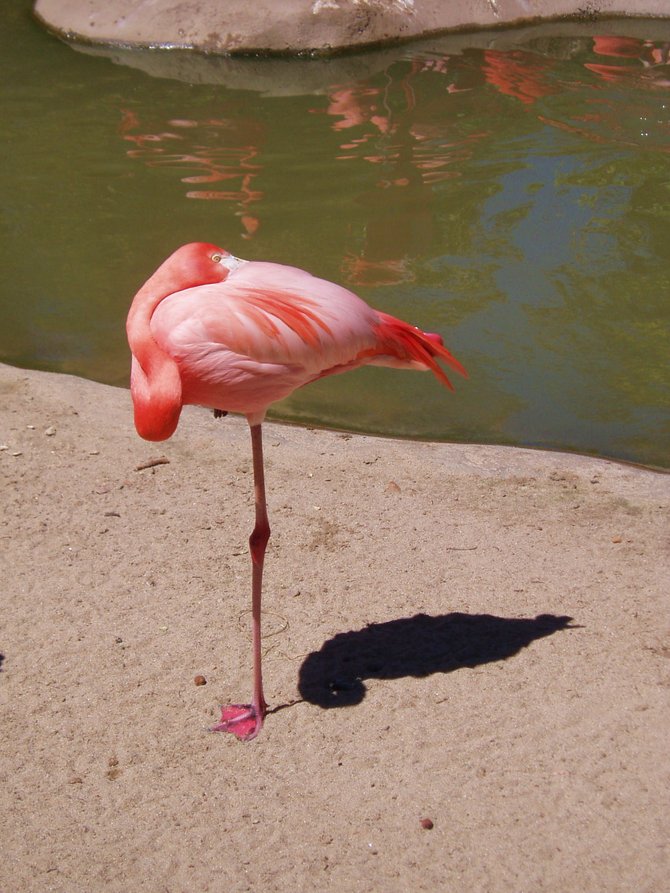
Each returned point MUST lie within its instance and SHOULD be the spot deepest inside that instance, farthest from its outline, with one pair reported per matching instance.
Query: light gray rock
(303, 26)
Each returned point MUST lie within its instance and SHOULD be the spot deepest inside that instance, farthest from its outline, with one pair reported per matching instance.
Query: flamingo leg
(246, 720)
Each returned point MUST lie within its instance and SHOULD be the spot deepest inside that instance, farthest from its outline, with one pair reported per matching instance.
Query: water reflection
(641, 52)
(524, 76)
(413, 146)
(213, 151)
(639, 118)
(508, 190)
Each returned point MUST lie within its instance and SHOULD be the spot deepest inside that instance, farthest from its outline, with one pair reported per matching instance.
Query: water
(511, 191)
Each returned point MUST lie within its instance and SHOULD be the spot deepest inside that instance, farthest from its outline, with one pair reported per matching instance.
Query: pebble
(200, 680)
(426, 824)
(50, 431)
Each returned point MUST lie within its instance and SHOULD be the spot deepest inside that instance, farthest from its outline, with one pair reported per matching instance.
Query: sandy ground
(418, 655)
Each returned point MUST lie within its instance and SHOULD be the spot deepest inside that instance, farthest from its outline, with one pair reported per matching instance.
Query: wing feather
(269, 313)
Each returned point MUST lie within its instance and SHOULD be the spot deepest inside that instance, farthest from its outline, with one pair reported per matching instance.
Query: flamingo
(211, 329)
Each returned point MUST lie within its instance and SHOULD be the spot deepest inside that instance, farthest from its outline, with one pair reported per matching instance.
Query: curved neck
(155, 382)
(138, 324)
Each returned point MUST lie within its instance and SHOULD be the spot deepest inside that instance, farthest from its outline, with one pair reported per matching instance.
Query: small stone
(50, 431)
(200, 680)
(426, 824)
(617, 539)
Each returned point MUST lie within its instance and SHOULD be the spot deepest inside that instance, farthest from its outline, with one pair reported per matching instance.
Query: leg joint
(258, 541)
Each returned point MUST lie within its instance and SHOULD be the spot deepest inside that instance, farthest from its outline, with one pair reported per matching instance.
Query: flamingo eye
(217, 258)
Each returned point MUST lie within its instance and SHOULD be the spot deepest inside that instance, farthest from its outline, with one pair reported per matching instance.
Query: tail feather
(408, 344)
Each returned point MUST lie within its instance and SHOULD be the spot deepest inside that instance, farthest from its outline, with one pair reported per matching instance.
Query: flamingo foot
(242, 720)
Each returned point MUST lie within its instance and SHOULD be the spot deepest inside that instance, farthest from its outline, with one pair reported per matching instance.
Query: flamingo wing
(266, 330)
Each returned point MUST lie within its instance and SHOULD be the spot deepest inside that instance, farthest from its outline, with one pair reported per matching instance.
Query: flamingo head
(200, 263)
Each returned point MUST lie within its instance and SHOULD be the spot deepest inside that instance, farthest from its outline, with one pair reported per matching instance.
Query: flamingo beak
(231, 263)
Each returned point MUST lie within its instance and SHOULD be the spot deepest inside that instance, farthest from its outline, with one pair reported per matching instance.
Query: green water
(513, 195)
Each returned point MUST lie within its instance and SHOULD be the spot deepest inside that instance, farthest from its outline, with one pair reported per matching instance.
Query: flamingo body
(213, 330)
(251, 340)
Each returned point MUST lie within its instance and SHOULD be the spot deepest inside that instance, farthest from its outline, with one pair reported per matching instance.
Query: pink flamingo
(213, 330)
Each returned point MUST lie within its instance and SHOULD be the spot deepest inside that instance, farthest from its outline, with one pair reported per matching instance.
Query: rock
(302, 26)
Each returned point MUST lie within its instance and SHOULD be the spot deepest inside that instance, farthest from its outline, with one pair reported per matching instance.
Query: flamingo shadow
(414, 646)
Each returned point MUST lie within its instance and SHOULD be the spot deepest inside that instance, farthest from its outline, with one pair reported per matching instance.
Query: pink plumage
(213, 330)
